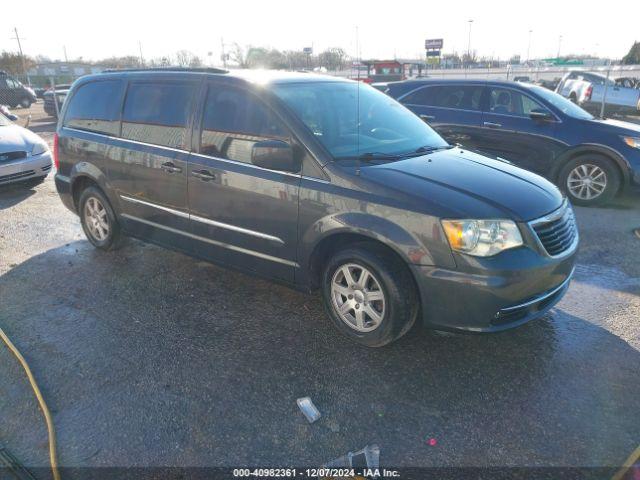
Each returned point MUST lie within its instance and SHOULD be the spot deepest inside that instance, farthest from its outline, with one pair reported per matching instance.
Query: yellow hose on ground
(43, 406)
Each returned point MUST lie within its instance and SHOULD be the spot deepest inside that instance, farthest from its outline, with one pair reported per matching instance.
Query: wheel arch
(84, 175)
(318, 248)
(618, 160)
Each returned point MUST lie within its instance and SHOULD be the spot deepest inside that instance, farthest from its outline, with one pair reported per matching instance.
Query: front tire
(25, 102)
(98, 220)
(590, 180)
(369, 294)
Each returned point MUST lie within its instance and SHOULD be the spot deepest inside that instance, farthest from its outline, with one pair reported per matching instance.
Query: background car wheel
(369, 294)
(98, 220)
(25, 103)
(590, 180)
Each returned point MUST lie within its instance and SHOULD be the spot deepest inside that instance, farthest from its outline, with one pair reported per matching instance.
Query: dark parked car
(274, 174)
(60, 94)
(590, 159)
(14, 93)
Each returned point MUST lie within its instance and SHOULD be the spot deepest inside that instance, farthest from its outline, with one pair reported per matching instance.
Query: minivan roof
(249, 76)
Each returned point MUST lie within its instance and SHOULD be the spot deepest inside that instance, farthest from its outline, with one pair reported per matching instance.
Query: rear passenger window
(158, 113)
(459, 97)
(95, 107)
(233, 121)
(419, 97)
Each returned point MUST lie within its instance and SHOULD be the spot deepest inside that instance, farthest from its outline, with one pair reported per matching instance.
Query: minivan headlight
(633, 142)
(39, 148)
(482, 238)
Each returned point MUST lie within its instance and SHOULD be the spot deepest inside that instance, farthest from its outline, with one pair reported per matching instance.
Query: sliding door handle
(204, 175)
(492, 125)
(169, 167)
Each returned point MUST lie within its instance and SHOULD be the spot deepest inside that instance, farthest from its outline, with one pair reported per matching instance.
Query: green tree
(633, 57)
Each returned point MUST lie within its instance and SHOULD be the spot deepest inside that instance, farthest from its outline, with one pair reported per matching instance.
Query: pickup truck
(588, 90)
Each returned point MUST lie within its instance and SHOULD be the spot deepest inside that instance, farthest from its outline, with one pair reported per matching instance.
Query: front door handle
(427, 118)
(204, 175)
(492, 125)
(169, 167)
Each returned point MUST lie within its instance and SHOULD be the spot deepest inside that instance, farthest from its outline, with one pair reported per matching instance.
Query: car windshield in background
(566, 106)
(380, 128)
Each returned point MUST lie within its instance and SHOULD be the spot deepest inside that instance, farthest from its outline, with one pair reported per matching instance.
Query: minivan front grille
(557, 232)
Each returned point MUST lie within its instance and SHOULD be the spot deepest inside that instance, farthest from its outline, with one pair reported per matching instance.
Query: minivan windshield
(565, 106)
(354, 120)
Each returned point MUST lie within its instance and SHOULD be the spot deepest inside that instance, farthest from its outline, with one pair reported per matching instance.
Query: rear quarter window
(95, 107)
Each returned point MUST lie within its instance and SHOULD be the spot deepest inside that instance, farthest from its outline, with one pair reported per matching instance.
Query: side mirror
(274, 155)
(541, 116)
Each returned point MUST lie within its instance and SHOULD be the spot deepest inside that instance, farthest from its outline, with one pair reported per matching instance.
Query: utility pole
(24, 66)
(141, 57)
(64, 48)
(224, 55)
(469, 44)
(529, 46)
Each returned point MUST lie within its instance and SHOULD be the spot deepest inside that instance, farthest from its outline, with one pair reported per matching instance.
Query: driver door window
(233, 121)
(504, 101)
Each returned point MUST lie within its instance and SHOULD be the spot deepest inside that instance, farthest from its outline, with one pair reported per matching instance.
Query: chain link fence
(16, 92)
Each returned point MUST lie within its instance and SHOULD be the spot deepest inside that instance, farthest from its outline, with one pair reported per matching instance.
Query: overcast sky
(386, 28)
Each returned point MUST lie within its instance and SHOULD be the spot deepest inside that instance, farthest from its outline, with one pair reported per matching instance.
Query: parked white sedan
(24, 156)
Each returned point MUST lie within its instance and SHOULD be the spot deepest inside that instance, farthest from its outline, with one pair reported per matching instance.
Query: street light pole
(469, 44)
(529, 47)
(559, 44)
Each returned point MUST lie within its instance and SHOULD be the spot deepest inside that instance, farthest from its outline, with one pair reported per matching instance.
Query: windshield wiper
(428, 149)
(372, 156)
(395, 156)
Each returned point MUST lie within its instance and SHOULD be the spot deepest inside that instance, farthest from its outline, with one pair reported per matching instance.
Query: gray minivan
(319, 183)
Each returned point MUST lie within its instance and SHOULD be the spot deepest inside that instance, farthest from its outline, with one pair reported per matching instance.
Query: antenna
(358, 102)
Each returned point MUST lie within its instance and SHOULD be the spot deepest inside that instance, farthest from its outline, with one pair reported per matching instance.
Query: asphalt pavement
(151, 358)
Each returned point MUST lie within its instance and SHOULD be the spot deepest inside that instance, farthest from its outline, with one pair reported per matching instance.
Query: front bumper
(26, 168)
(518, 287)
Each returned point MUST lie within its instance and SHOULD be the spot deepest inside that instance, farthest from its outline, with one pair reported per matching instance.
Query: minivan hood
(463, 184)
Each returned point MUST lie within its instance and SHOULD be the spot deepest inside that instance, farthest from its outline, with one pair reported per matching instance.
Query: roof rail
(169, 69)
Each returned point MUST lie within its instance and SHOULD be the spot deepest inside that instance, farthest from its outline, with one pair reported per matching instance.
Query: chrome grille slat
(556, 232)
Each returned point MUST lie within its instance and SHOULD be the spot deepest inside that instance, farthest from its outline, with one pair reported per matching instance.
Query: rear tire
(369, 294)
(98, 220)
(25, 102)
(590, 179)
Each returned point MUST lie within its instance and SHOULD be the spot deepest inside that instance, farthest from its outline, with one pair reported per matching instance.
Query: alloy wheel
(587, 181)
(357, 297)
(96, 219)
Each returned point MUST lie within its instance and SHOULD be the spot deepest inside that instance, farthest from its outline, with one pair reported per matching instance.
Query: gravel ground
(150, 358)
